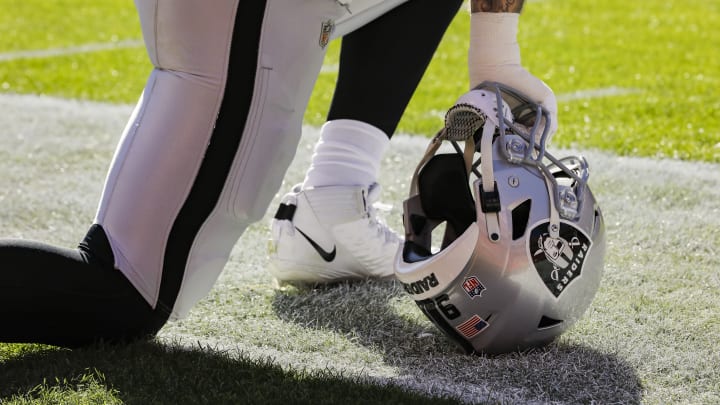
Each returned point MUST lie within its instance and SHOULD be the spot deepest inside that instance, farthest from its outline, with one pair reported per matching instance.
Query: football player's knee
(189, 37)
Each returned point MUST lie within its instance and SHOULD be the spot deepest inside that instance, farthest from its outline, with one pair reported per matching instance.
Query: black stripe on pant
(75, 297)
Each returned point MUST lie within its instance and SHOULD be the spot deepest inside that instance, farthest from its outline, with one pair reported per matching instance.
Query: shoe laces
(373, 205)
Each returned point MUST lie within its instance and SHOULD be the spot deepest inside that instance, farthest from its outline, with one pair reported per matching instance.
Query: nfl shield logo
(473, 287)
(326, 29)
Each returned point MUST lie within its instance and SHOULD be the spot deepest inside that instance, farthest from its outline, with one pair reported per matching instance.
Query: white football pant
(209, 141)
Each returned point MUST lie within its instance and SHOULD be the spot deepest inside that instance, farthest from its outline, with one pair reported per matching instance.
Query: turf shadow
(365, 312)
(154, 373)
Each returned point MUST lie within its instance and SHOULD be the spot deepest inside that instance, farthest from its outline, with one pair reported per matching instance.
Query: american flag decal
(472, 327)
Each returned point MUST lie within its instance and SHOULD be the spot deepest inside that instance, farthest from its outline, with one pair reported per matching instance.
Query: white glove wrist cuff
(493, 43)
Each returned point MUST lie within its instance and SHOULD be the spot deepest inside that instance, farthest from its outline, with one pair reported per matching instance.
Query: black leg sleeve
(382, 63)
(69, 297)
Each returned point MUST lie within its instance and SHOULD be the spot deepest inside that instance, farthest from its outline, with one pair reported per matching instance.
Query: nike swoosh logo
(327, 256)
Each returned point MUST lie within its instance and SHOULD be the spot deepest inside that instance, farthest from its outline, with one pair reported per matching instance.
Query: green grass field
(638, 85)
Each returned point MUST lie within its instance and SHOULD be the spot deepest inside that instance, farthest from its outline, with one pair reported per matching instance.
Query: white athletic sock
(348, 153)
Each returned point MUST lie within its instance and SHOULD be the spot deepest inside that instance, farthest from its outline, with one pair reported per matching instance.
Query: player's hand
(494, 55)
(520, 79)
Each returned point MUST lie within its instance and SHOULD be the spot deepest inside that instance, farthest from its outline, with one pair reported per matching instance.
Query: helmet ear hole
(520, 217)
(597, 223)
(547, 322)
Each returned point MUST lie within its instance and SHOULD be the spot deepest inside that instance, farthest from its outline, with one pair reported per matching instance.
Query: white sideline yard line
(330, 68)
(70, 50)
(326, 68)
(611, 91)
(588, 94)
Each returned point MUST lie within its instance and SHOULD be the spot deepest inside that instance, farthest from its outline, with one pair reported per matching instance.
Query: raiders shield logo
(558, 261)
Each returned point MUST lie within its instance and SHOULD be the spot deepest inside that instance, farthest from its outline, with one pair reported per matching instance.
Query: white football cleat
(329, 234)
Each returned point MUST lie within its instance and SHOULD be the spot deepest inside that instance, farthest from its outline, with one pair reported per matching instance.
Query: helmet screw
(517, 146)
(513, 181)
(494, 237)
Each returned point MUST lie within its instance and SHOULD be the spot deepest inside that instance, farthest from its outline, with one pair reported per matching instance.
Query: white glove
(494, 55)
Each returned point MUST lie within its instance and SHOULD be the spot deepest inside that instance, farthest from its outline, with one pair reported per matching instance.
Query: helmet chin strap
(554, 226)
(488, 186)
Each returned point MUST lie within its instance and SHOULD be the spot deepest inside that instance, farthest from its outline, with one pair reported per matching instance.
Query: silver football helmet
(521, 256)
